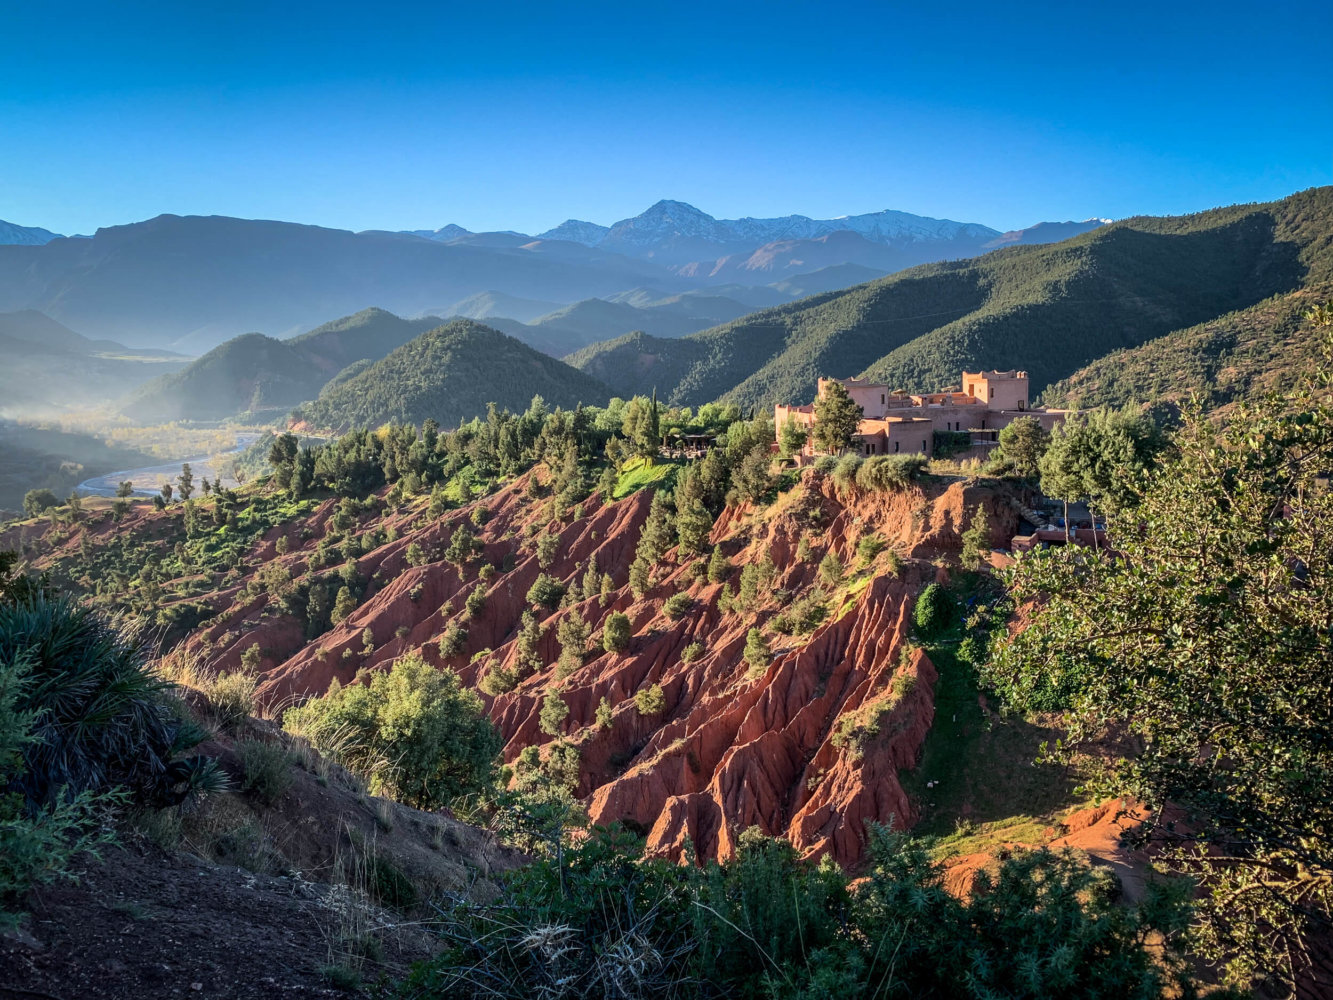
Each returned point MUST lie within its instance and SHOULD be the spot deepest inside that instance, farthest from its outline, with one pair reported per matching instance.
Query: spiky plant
(100, 717)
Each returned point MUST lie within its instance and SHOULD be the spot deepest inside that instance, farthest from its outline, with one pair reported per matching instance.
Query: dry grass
(231, 696)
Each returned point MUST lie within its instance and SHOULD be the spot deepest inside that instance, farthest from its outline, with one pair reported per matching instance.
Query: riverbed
(148, 479)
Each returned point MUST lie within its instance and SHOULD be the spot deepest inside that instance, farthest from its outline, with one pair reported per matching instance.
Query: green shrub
(553, 714)
(37, 845)
(650, 700)
(825, 464)
(767, 924)
(677, 606)
(757, 653)
(803, 615)
(547, 546)
(546, 592)
(616, 632)
(933, 611)
(412, 732)
(844, 473)
(476, 601)
(99, 715)
(889, 472)
(497, 679)
(692, 652)
(831, 569)
(868, 548)
(453, 640)
(605, 714)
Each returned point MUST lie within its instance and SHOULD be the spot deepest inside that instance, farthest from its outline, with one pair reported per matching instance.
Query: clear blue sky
(507, 115)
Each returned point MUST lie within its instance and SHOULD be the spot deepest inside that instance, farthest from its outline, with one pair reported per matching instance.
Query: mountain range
(191, 282)
(1050, 309)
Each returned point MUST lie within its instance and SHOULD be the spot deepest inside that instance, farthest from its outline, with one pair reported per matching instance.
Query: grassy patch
(988, 790)
(638, 473)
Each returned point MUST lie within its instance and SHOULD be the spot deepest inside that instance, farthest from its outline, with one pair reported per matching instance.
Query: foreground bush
(36, 844)
(98, 714)
(606, 924)
(1206, 641)
(412, 732)
(85, 728)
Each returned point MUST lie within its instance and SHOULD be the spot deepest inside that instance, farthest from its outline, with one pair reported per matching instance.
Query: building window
(895, 446)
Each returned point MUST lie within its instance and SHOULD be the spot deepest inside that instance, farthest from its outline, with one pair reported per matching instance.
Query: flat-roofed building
(896, 422)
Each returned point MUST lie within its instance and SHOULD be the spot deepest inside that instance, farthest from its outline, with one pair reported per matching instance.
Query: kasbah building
(900, 423)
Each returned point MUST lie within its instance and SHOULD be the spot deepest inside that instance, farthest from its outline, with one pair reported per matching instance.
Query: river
(148, 480)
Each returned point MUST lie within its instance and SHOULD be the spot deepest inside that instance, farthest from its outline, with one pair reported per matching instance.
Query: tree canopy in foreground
(1207, 638)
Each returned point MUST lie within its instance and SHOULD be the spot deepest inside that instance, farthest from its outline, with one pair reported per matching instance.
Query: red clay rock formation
(809, 747)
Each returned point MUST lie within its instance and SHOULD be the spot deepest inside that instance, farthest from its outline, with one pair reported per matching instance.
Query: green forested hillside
(1049, 309)
(450, 374)
(250, 372)
(254, 372)
(1237, 356)
(638, 362)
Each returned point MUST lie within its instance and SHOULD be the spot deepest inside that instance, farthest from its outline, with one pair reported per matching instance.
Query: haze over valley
(600, 502)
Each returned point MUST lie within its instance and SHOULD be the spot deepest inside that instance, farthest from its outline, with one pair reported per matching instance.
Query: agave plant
(100, 719)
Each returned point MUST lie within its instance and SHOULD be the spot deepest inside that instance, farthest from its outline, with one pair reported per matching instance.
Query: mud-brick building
(895, 422)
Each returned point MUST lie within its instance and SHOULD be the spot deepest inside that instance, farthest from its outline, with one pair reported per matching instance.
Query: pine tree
(836, 418)
(719, 566)
(553, 714)
(976, 540)
(640, 577)
(793, 438)
(186, 480)
(616, 633)
(658, 533)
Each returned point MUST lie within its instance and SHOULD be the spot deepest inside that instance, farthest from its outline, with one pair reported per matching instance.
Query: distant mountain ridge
(15, 235)
(667, 219)
(189, 283)
(693, 244)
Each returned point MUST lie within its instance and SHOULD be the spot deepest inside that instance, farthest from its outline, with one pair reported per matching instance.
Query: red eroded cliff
(809, 746)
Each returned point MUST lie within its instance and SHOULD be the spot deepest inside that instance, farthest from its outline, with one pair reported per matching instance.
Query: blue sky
(511, 115)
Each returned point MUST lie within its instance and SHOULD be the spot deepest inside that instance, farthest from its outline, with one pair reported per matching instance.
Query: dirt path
(143, 925)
